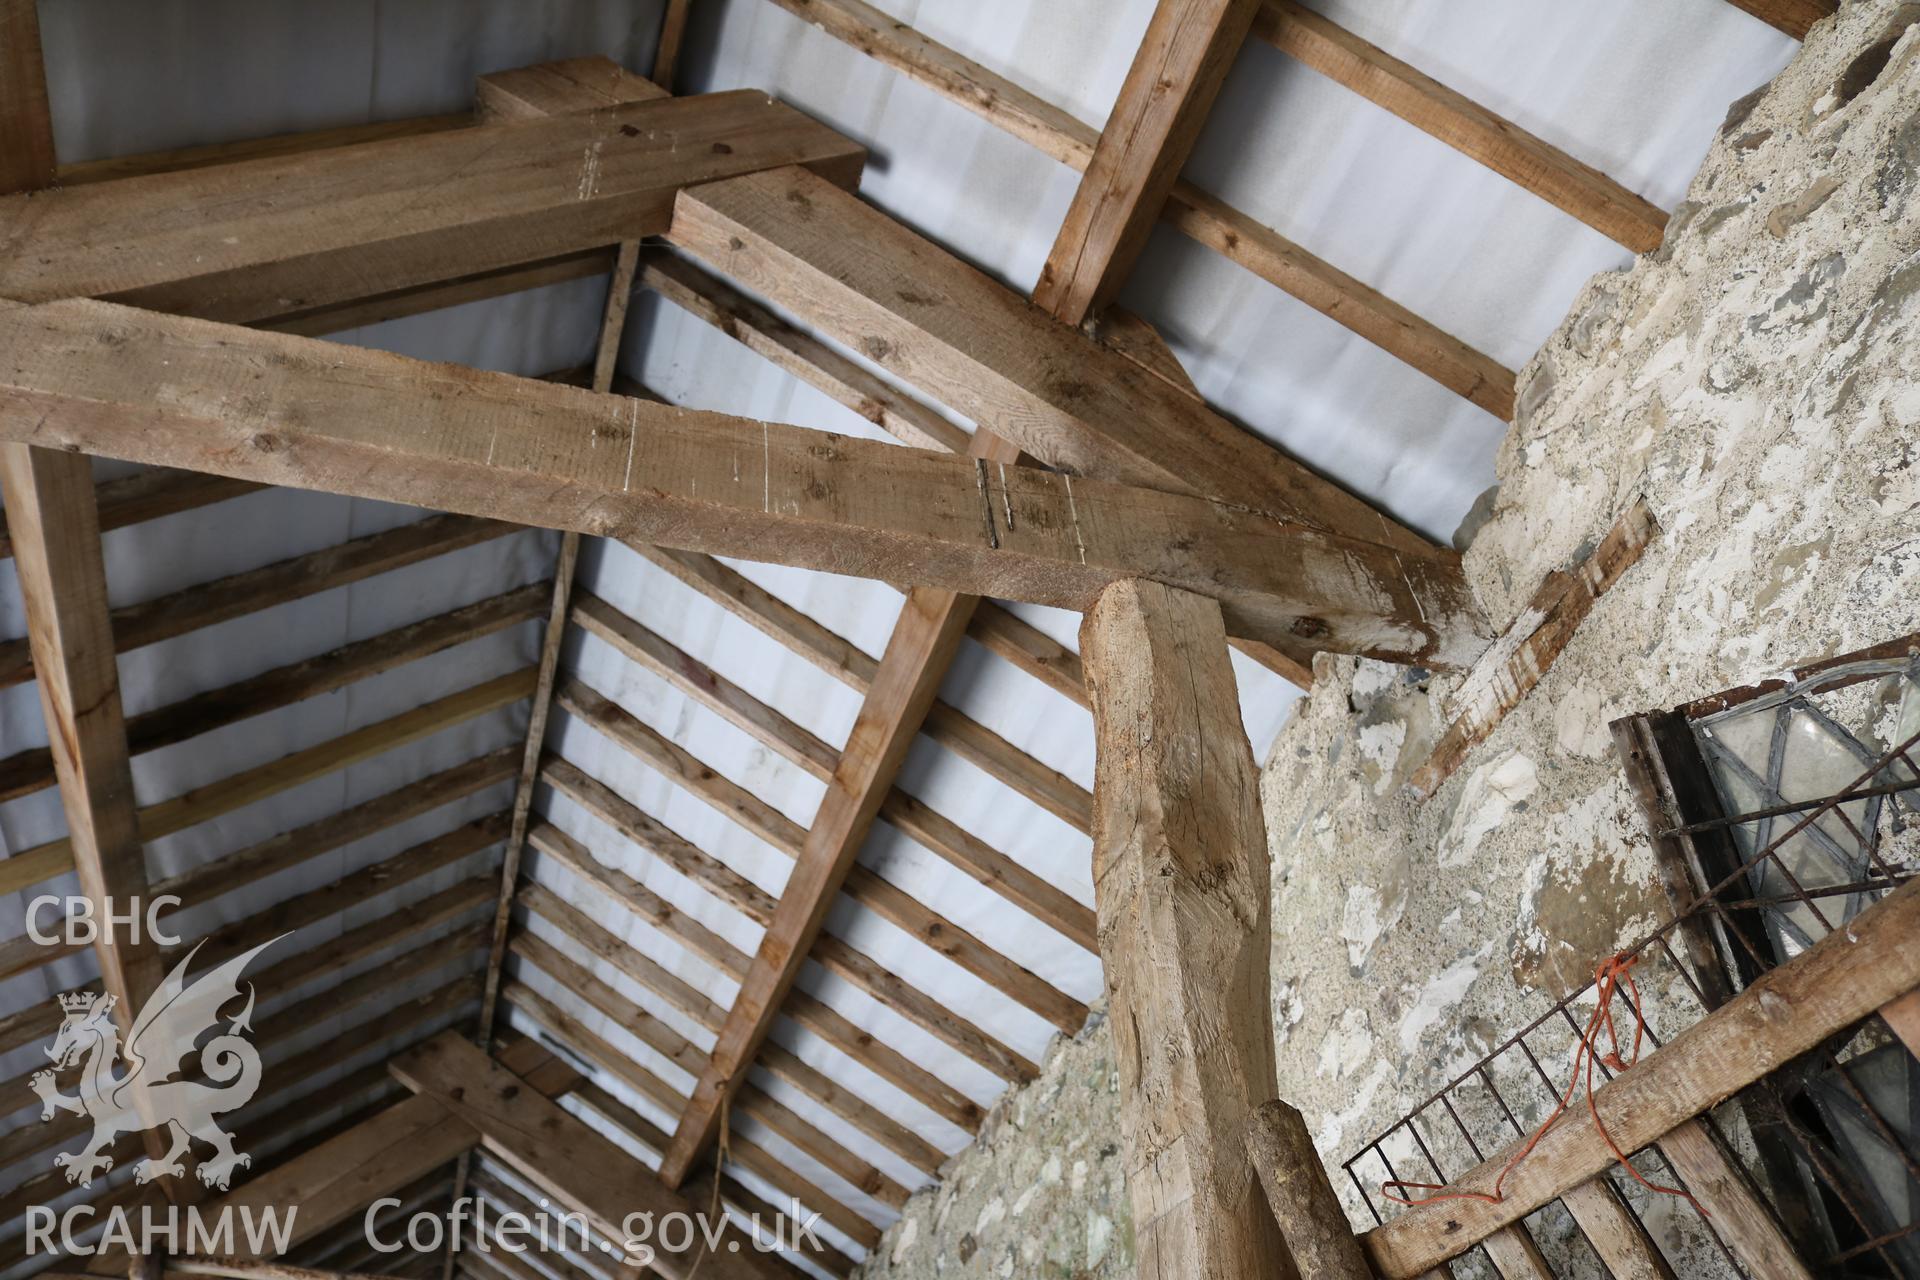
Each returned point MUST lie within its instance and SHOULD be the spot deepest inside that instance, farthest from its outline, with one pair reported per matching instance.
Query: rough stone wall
(1039, 1193)
(1757, 381)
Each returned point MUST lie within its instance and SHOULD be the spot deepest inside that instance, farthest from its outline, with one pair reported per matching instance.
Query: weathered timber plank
(1517, 661)
(673, 30)
(1795, 17)
(279, 144)
(751, 1157)
(1739, 1216)
(1301, 1199)
(1020, 886)
(553, 88)
(1903, 1019)
(26, 772)
(148, 495)
(1515, 1254)
(869, 890)
(26, 120)
(659, 914)
(986, 750)
(277, 852)
(911, 1079)
(265, 238)
(932, 624)
(323, 416)
(589, 1045)
(1352, 302)
(1177, 71)
(560, 1155)
(872, 284)
(236, 791)
(799, 353)
(1180, 878)
(672, 849)
(1615, 1234)
(641, 646)
(207, 603)
(415, 300)
(831, 952)
(1465, 125)
(590, 936)
(63, 584)
(1141, 343)
(1787, 1011)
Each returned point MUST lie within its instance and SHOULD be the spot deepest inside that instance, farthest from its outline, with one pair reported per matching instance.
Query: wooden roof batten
(596, 617)
(462, 1097)
(1427, 617)
(608, 719)
(1161, 106)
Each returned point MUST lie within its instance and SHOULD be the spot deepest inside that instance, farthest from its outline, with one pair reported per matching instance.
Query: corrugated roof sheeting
(128, 78)
(1627, 88)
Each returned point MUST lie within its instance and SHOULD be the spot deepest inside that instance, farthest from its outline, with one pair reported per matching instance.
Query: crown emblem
(77, 1001)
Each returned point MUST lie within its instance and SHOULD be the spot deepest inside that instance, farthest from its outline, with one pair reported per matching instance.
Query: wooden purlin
(26, 772)
(1510, 151)
(817, 1018)
(261, 239)
(163, 818)
(742, 807)
(299, 577)
(1793, 17)
(1024, 115)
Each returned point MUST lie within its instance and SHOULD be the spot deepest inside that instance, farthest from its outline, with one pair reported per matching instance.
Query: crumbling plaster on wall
(1757, 381)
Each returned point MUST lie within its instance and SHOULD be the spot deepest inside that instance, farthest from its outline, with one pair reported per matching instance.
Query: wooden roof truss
(117, 317)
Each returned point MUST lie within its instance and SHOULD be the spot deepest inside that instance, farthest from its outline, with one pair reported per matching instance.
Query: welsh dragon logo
(162, 1036)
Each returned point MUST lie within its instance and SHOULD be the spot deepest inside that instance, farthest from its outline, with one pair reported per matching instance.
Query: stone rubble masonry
(1757, 380)
(1040, 1192)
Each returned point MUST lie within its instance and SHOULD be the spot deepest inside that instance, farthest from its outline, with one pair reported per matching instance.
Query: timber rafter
(120, 313)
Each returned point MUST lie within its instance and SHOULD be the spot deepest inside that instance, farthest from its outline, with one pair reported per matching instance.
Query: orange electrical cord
(1607, 981)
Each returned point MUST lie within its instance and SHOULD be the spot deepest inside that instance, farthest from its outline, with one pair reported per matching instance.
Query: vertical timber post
(1180, 870)
(55, 523)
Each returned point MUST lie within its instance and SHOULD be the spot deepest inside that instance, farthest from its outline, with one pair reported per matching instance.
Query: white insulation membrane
(1635, 87)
